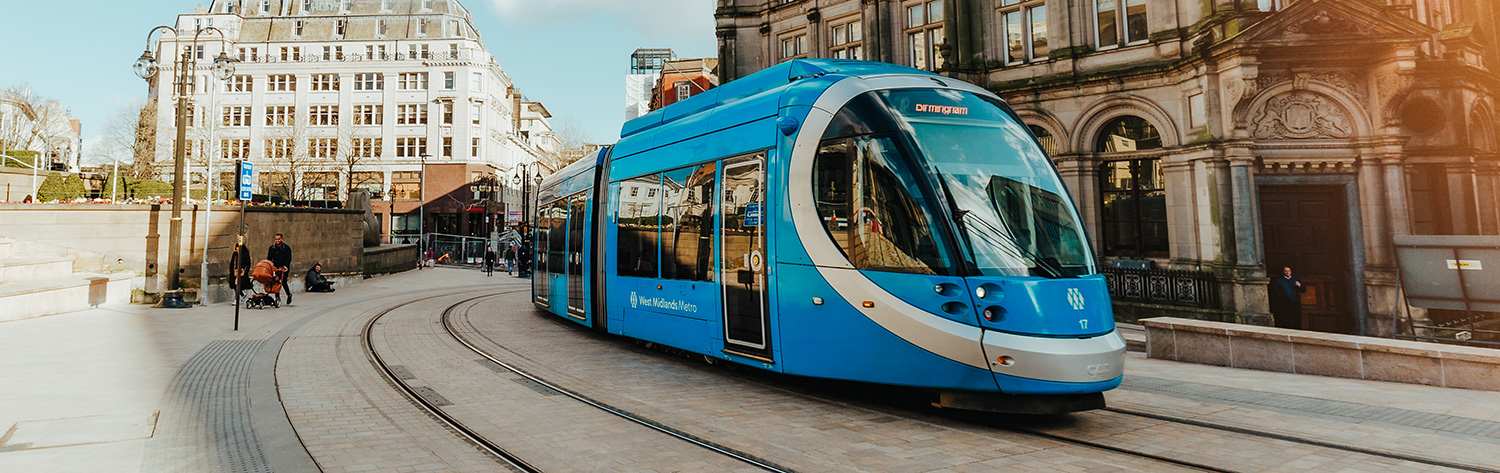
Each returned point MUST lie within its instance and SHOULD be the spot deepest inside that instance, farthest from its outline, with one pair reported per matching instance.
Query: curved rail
(433, 410)
(680, 435)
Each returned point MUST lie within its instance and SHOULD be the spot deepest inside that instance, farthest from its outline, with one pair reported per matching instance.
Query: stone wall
(133, 238)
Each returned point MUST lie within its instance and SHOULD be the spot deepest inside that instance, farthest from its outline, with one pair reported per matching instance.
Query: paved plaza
(132, 388)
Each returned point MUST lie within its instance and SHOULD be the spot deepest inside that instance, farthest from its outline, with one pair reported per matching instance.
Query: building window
(417, 51)
(453, 28)
(447, 146)
(794, 47)
(924, 32)
(240, 83)
(427, 5)
(385, 5)
(237, 150)
(339, 28)
(412, 81)
(323, 148)
(236, 116)
(325, 82)
(406, 185)
(1133, 189)
(1269, 5)
(422, 27)
(366, 147)
(278, 115)
(380, 28)
(684, 90)
(476, 82)
(410, 147)
(323, 115)
(249, 54)
(279, 149)
(281, 83)
(475, 111)
(474, 148)
(1048, 141)
(373, 52)
(847, 40)
(1024, 24)
(447, 113)
(452, 50)
(1108, 16)
(291, 53)
(411, 114)
(297, 28)
(369, 81)
(368, 114)
(333, 53)
(265, 6)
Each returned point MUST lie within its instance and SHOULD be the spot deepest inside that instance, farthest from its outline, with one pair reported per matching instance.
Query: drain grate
(1347, 411)
(538, 387)
(402, 373)
(431, 396)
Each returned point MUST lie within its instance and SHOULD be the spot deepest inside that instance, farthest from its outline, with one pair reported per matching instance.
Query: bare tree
(290, 159)
(356, 148)
(30, 121)
(122, 136)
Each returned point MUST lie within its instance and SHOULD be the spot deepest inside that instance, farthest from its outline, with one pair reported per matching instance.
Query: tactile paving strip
(205, 423)
(1307, 405)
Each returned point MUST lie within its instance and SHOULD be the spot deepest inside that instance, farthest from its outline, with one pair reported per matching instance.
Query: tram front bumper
(1028, 364)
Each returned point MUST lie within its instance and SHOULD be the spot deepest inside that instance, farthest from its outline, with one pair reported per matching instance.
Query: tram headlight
(938, 288)
(980, 292)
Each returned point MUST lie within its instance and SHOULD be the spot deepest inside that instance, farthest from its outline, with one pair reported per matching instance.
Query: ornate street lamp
(146, 67)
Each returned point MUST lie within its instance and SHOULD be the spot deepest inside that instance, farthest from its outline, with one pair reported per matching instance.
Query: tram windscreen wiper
(995, 238)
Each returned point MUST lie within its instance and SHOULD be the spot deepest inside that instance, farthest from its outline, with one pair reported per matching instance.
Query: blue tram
(839, 219)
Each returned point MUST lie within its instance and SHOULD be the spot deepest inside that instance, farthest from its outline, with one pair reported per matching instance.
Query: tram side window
(639, 224)
(539, 239)
(688, 225)
(869, 200)
(557, 220)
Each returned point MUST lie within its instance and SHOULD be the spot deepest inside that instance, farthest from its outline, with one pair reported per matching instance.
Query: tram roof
(747, 99)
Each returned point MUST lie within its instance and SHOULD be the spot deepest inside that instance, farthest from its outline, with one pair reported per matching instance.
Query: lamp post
(524, 178)
(422, 212)
(146, 67)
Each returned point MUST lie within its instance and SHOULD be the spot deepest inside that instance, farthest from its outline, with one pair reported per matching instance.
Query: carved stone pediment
(1300, 116)
(1331, 20)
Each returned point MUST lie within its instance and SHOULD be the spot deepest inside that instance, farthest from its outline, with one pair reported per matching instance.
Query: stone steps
(35, 298)
(34, 268)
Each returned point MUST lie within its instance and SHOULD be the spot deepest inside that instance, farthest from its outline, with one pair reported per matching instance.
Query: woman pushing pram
(265, 273)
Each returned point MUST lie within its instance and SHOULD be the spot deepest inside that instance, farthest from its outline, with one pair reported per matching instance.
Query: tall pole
(174, 239)
(114, 186)
(422, 213)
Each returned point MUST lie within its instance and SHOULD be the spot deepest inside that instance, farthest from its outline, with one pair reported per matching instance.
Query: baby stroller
(265, 274)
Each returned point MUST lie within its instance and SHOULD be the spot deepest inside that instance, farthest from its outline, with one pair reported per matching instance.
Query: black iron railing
(1160, 286)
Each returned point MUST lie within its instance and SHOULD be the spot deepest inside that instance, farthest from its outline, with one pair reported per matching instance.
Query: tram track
(422, 397)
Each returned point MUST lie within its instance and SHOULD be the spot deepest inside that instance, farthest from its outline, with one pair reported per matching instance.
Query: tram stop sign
(246, 179)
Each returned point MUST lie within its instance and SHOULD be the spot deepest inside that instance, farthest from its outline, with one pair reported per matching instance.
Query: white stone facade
(389, 79)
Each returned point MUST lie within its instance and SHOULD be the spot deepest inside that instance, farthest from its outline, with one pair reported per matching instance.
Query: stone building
(332, 95)
(1210, 142)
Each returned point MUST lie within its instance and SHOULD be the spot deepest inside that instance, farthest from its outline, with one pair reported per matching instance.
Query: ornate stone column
(1247, 275)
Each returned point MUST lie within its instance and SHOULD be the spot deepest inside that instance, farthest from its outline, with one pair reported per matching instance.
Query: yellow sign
(1466, 264)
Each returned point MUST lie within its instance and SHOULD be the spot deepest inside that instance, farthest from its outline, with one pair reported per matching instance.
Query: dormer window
(422, 27)
(306, 6)
(265, 6)
(297, 28)
(427, 4)
(380, 28)
(339, 28)
(385, 5)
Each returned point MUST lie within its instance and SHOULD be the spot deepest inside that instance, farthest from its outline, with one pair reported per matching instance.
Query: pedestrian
(489, 261)
(239, 270)
(1286, 299)
(280, 255)
(315, 282)
(510, 259)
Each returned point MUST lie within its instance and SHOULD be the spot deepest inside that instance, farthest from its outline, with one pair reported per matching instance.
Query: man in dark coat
(281, 255)
(1286, 299)
(315, 282)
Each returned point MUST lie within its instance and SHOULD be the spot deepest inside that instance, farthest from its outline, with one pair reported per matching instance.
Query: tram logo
(1075, 298)
(635, 301)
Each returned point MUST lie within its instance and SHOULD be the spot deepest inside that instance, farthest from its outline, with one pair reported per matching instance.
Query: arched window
(1133, 189)
(1049, 142)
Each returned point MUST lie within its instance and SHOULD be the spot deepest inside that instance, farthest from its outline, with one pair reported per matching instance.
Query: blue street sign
(752, 215)
(247, 178)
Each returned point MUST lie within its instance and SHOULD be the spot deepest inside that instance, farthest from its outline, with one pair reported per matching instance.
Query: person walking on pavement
(281, 255)
(239, 269)
(1286, 299)
(510, 260)
(489, 261)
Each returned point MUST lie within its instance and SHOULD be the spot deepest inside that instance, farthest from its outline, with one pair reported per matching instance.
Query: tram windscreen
(1011, 205)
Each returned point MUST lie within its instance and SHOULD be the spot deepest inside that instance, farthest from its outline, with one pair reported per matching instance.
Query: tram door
(575, 257)
(541, 282)
(743, 271)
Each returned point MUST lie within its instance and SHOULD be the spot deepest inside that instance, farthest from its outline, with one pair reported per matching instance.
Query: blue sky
(571, 55)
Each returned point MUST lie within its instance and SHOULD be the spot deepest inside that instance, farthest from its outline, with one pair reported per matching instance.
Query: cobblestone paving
(551, 432)
(205, 423)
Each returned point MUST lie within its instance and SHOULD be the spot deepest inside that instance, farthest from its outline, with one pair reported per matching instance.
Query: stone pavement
(132, 388)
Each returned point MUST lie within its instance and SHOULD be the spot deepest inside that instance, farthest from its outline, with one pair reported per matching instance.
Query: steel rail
(433, 410)
(684, 436)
